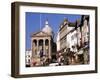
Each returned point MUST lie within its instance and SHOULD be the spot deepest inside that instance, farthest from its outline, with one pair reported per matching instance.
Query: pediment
(41, 33)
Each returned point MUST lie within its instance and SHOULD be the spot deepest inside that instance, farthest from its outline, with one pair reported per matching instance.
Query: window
(74, 36)
(28, 60)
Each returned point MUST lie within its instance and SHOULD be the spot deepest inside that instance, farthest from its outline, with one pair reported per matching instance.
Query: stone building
(65, 28)
(58, 42)
(75, 35)
(85, 30)
(41, 44)
(28, 56)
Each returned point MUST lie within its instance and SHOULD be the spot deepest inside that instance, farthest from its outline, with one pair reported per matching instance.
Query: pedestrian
(60, 59)
(41, 53)
(73, 54)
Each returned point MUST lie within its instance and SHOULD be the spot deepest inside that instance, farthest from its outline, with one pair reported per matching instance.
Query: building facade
(41, 44)
(74, 34)
(28, 56)
(58, 42)
(64, 30)
(75, 37)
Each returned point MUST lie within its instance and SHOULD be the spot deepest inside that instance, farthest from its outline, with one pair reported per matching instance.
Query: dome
(47, 29)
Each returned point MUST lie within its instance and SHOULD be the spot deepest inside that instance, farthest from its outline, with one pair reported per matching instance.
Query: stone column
(32, 45)
(49, 48)
(44, 46)
(37, 46)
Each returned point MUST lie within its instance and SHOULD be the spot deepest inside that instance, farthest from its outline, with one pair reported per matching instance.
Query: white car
(54, 64)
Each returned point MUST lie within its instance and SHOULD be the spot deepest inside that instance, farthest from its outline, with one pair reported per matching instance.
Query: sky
(36, 21)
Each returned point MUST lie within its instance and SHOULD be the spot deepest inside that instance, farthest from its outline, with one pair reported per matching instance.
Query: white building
(71, 39)
(64, 30)
(85, 32)
(28, 56)
(58, 42)
(73, 33)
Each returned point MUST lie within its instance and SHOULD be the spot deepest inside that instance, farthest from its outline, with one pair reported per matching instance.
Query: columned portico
(37, 46)
(41, 45)
(49, 48)
(44, 47)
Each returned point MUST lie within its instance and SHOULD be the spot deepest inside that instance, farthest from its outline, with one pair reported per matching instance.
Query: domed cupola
(47, 29)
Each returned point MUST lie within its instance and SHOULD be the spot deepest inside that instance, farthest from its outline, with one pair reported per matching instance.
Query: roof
(47, 28)
(70, 24)
(40, 34)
